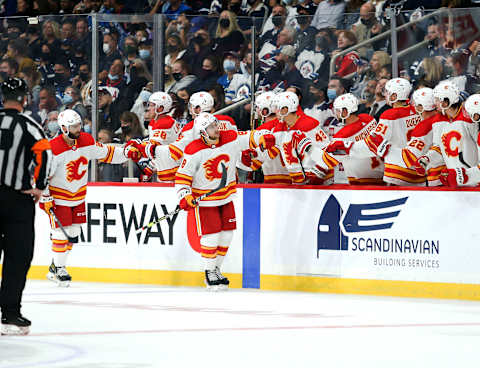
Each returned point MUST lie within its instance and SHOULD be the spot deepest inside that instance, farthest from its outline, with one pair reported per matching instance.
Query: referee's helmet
(14, 89)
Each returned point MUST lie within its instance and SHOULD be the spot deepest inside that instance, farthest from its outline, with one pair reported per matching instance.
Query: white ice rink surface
(91, 325)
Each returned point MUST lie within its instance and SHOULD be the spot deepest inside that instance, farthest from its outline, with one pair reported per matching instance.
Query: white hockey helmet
(161, 99)
(68, 118)
(399, 86)
(422, 99)
(472, 107)
(203, 121)
(202, 99)
(347, 101)
(446, 90)
(286, 99)
(264, 104)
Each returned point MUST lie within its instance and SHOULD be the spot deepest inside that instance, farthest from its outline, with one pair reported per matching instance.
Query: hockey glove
(301, 143)
(47, 204)
(454, 177)
(339, 147)
(379, 144)
(267, 141)
(421, 165)
(188, 202)
(316, 175)
(247, 157)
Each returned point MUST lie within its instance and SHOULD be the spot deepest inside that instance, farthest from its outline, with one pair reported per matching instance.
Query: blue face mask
(112, 77)
(144, 54)
(87, 129)
(67, 99)
(331, 94)
(229, 65)
(53, 127)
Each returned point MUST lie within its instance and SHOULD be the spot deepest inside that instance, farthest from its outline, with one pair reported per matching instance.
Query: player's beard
(73, 136)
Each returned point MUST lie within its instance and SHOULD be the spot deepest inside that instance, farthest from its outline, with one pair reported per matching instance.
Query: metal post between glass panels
(95, 60)
(159, 52)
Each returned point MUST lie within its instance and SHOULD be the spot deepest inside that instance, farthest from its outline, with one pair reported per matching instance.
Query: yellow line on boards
(409, 289)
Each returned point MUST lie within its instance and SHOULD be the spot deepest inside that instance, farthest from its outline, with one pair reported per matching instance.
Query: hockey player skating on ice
(64, 199)
(200, 172)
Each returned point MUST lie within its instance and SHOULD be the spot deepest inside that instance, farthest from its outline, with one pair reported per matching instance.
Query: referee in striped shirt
(25, 161)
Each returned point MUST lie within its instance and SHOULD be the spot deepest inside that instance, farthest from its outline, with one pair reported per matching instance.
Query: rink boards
(414, 243)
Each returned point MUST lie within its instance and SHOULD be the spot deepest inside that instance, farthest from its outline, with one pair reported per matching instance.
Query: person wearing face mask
(277, 19)
(316, 102)
(367, 27)
(140, 106)
(208, 75)
(239, 87)
(230, 66)
(71, 100)
(182, 76)
(8, 68)
(199, 47)
(62, 76)
(129, 127)
(110, 51)
(51, 124)
(145, 49)
(175, 50)
(228, 36)
(305, 33)
(313, 62)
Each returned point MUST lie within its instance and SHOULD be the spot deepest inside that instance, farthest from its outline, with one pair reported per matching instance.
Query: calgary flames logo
(289, 157)
(74, 171)
(212, 167)
(447, 142)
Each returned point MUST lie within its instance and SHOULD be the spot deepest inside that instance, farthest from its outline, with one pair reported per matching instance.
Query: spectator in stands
(284, 73)
(351, 13)
(367, 97)
(51, 126)
(130, 127)
(239, 86)
(198, 48)
(33, 79)
(145, 51)
(184, 95)
(109, 54)
(172, 8)
(66, 31)
(231, 64)
(109, 172)
(8, 68)
(379, 59)
(368, 27)
(218, 95)
(258, 10)
(141, 35)
(269, 50)
(47, 102)
(72, 100)
(130, 50)
(279, 16)
(109, 113)
(385, 72)
(313, 63)
(316, 102)
(429, 73)
(175, 49)
(51, 37)
(329, 14)
(346, 64)
(34, 42)
(17, 49)
(62, 77)
(141, 103)
(181, 75)
(82, 77)
(306, 33)
(66, 7)
(208, 76)
(379, 106)
(139, 78)
(228, 36)
(336, 87)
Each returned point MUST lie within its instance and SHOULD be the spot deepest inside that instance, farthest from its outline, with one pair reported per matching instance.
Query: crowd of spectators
(207, 46)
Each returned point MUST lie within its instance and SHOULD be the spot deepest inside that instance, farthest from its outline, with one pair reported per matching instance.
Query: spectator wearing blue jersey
(172, 8)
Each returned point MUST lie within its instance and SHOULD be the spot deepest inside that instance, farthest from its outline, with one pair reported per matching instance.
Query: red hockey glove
(339, 147)
(188, 202)
(454, 177)
(47, 203)
(247, 157)
(316, 175)
(301, 143)
(379, 144)
(267, 141)
(421, 165)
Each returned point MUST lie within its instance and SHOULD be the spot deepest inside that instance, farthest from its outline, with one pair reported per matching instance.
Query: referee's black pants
(17, 213)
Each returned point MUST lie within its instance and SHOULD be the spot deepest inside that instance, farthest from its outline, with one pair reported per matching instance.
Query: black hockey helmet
(14, 89)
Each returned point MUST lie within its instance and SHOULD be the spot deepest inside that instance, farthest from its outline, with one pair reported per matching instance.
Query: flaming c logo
(74, 171)
(289, 157)
(212, 167)
(447, 142)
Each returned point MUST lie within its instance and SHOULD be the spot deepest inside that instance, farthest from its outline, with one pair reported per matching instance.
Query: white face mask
(106, 48)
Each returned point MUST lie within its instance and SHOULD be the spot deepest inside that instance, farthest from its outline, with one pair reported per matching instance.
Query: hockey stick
(462, 160)
(301, 165)
(70, 239)
(223, 183)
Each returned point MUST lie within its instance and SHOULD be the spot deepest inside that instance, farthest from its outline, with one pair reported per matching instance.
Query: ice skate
(15, 325)
(223, 281)
(211, 280)
(59, 275)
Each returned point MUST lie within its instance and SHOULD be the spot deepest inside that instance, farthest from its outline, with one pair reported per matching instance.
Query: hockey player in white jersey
(64, 199)
(291, 120)
(454, 138)
(356, 127)
(461, 176)
(200, 172)
(422, 136)
(393, 130)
